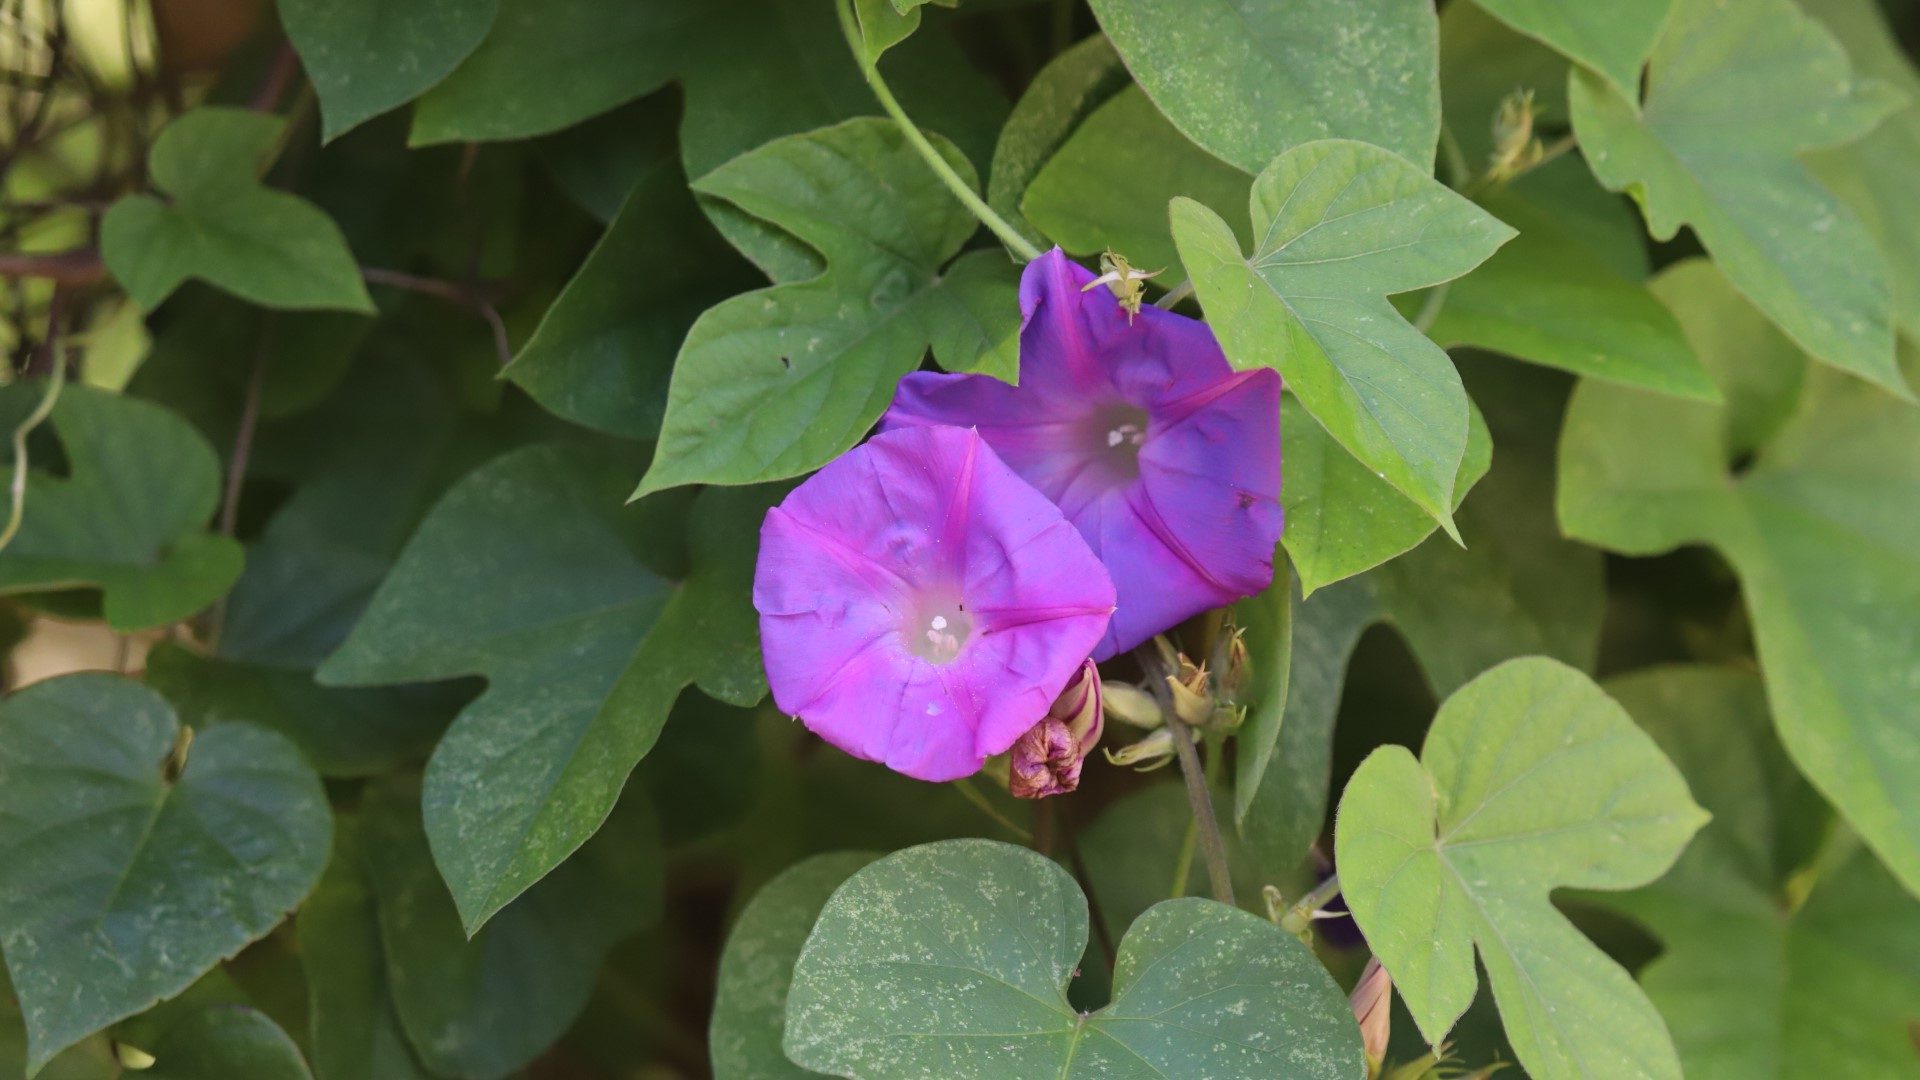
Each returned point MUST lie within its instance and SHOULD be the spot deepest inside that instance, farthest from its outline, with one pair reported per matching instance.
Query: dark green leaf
(953, 959)
(584, 654)
(750, 1006)
(773, 383)
(91, 1059)
(368, 56)
(1061, 96)
(128, 517)
(1248, 80)
(605, 348)
(1531, 779)
(226, 1041)
(220, 224)
(481, 1009)
(1109, 183)
(119, 886)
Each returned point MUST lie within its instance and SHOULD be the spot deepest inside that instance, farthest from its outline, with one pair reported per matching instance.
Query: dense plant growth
(960, 538)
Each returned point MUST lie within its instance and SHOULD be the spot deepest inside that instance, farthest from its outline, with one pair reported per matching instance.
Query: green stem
(1016, 243)
(1300, 915)
(1430, 308)
(1183, 864)
(975, 796)
(33, 420)
(1207, 825)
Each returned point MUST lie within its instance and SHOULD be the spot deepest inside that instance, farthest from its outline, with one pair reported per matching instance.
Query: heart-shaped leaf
(120, 882)
(1809, 483)
(1734, 93)
(952, 959)
(223, 1041)
(1340, 226)
(1531, 779)
(1248, 79)
(774, 383)
(1064, 93)
(1761, 978)
(584, 654)
(368, 56)
(750, 1004)
(129, 516)
(219, 223)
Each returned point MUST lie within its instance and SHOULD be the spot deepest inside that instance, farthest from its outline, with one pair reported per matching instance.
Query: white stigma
(1126, 433)
(939, 622)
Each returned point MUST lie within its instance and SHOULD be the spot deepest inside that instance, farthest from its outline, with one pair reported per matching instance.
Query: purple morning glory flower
(921, 605)
(1164, 457)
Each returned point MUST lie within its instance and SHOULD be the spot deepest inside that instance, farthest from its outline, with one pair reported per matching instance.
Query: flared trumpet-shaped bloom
(1164, 457)
(921, 605)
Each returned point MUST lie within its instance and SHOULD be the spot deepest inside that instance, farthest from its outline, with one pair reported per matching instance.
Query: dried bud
(1372, 1001)
(1192, 692)
(1515, 150)
(1131, 706)
(1046, 760)
(1149, 753)
(1238, 666)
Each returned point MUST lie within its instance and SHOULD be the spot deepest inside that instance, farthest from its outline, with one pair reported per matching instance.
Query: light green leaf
(1248, 80)
(1550, 298)
(1760, 978)
(1342, 519)
(1734, 93)
(1873, 175)
(974, 316)
(1108, 183)
(1060, 97)
(1516, 588)
(368, 56)
(605, 347)
(344, 733)
(128, 518)
(1612, 39)
(226, 1041)
(750, 1005)
(119, 884)
(952, 959)
(1266, 618)
(584, 655)
(1818, 530)
(1531, 779)
(219, 223)
(773, 383)
(354, 1025)
(486, 1007)
(1340, 226)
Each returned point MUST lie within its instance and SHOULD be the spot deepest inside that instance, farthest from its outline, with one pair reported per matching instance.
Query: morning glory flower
(921, 605)
(1164, 457)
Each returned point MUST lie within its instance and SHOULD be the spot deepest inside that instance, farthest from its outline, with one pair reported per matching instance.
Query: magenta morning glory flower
(921, 605)
(1164, 457)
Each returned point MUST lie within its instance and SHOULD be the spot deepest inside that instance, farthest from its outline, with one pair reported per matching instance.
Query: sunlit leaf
(1734, 93)
(1531, 779)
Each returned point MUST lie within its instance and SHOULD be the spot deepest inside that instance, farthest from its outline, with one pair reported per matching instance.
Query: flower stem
(1183, 863)
(1211, 843)
(961, 189)
(1430, 308)
(972, 794)
(1300, 915)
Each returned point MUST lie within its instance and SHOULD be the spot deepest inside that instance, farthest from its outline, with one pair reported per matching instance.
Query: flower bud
(1238, 666)
(1046, 760)
(1149, 753)
(1515, 150)
(1192, 692)
(1372, 1002)
(1131, 706)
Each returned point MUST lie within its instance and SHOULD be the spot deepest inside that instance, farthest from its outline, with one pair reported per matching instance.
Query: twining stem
(49, 397)
(1175, 295)
(963, 191)
(1430, 307)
